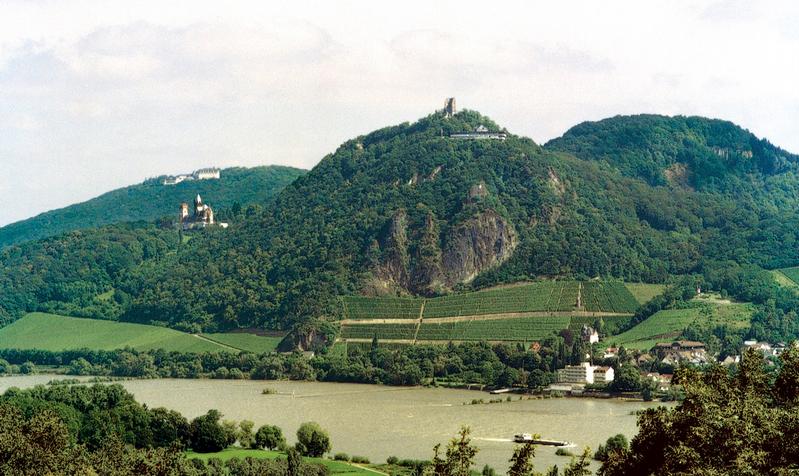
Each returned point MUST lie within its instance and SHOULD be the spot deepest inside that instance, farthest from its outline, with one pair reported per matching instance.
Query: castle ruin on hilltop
(479, 132)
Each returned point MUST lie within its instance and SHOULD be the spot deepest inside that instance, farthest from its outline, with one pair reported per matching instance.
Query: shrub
(341, 457)
(360, 459)
(392, 460)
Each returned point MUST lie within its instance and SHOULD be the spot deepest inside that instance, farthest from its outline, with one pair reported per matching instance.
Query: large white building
(585, 373)
(209, 173)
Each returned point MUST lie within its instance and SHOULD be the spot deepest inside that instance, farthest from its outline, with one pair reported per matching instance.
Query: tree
(169, 428)
(312, 440)
(580, 466)
(27, 368)
(293, 461)
(207, 434)
(628, 379)
(460, 453)
(245, 434)
(269, 437)
(727, 424)
(613, 444)
(521, 463)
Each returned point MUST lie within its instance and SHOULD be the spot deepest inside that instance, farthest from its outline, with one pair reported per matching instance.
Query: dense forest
(409, 210)
(152, 200)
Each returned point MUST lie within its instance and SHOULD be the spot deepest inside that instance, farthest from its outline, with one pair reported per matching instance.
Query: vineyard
(519, 329)
(540, 296)
(525, 312)
(608, 297)
(357, 307)
(382, 331)
(611, 322)
(660, 327)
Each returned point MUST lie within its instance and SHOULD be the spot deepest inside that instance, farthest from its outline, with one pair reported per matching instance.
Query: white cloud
(97, 94)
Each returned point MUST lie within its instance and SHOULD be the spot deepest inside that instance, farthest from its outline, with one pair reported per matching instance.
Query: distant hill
(151, 200)
(694, 152)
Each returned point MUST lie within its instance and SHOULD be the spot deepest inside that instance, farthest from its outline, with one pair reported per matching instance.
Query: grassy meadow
(335, 467)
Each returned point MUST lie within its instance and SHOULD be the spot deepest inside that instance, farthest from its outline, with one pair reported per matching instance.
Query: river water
(379, 421)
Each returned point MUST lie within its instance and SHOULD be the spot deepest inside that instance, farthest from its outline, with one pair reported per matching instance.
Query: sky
(96, 95)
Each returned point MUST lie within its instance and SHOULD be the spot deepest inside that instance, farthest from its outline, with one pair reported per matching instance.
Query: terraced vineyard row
(577, 322)
(358, 307)
(518, 329)
(382, 331)
(608, 297)
(540, 296)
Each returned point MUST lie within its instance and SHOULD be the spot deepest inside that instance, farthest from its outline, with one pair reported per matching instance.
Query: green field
(52, 332)
(643, 292)
(246, 342)
(517, 329)
(783, 279)
(335, 467)
(791, 273)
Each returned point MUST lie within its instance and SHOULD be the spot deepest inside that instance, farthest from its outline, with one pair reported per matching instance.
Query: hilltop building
(210, 173)
(202, 217)
(480, 132)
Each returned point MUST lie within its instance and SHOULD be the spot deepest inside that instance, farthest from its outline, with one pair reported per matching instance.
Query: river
(379, 421)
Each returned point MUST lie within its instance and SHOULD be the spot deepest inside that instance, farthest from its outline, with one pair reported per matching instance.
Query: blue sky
(95, 95)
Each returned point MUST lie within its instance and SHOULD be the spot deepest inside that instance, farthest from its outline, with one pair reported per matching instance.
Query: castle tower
(198, 205)
(449, 107)
(184, 211)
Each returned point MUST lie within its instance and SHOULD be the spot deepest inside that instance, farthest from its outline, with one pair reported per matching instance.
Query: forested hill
(410, 210)
(151, 200)
(694, 152)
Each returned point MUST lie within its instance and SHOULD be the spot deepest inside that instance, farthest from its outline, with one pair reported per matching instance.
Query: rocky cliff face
(475, 245)
(393, 271)
(481, 242)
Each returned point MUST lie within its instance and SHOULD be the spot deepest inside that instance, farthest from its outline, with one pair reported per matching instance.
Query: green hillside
(410, 211)
(52, 332)
(151, 200)
(696, 152)
(667, 325)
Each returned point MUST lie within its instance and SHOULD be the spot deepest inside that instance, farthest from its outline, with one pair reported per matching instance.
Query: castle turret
(184, 211)
(449, 107)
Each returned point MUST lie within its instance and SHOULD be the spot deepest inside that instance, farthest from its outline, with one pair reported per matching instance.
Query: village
(652, 371)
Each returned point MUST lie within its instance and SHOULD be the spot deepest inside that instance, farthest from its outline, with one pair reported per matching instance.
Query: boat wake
(500, 440)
